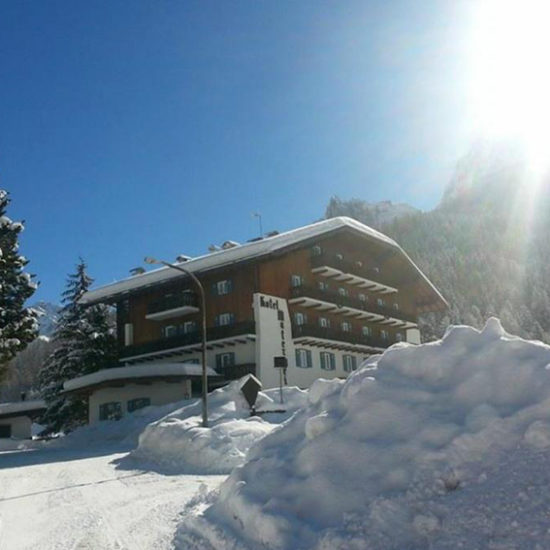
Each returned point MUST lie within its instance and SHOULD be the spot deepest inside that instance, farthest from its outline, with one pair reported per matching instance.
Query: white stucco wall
(304, 377)
(20, 426)
(244, 354)
(159, 393)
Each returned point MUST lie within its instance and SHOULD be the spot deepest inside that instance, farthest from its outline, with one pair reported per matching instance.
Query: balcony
(327, 300)
(352, 273)
(312, 331)
(175, 305)
(234, 372)
(190, 339)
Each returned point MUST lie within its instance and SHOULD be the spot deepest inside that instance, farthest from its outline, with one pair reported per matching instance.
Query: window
(362, 297)
(350, 363)
(110, 411)
(346, 326)
(222, 287)
(366, 331)
(384, 334)
(303, 358)
(399, 336)
(339, 257)
(380, 302)
(396, 306)
(224, 319)
(138, 403)
(224, 360)
(324, 322)
(300, 318)
(327, 360)
(342, 292)
(323, 286)
(296, 280)
(188, 327)
(169, 331)
(316, 250)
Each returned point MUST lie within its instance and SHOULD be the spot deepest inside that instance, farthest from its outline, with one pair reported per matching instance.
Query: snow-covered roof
(22, 407)
(150, 370)
(236, 254)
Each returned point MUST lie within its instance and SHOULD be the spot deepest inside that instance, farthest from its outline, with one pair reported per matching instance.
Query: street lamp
(149, 260)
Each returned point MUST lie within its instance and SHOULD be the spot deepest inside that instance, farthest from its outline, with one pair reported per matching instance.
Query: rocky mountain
(485, 246)
(48, 315)
(374, 214)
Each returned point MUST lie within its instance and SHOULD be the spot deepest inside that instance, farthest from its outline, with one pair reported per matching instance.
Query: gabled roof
(256, 249)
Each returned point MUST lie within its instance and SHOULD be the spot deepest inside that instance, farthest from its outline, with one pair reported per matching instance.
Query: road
(83, 500)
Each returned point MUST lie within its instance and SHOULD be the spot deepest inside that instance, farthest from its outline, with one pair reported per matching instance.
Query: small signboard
(280, 362)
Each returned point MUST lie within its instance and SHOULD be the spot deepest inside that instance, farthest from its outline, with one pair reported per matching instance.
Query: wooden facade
(341, 287)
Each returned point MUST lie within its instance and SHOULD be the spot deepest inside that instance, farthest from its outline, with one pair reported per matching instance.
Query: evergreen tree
(85, 343)
(18, 324)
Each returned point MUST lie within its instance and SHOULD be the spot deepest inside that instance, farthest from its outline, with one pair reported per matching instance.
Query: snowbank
(123, 433)
(378, 461)
(179, 443)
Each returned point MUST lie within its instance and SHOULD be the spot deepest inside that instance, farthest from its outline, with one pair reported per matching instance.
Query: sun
(510, 81)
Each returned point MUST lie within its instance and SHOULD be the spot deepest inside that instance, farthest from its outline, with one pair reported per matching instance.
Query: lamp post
(194, 278)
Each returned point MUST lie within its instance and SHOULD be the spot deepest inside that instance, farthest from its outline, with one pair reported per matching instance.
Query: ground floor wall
(103, 402)
(18, 427)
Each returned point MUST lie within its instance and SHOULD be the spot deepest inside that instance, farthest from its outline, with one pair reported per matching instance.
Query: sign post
(280, 362)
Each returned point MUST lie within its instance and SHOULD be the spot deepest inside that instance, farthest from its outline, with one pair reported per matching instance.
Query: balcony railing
(181, 340)
(328, 333)
(174, 301)
(234, 372)
(305, 291)
(355, 268)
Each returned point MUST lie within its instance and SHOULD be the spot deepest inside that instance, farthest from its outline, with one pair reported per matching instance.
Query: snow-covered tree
(85, 343)
(18, 324)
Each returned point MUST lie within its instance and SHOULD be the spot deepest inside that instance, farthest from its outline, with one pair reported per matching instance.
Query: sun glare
(510, 86)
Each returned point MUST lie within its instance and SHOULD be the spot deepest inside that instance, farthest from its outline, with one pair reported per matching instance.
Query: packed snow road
(83, 499)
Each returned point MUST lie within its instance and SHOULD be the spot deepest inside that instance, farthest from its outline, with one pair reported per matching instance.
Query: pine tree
(18, 324)
(85, 344)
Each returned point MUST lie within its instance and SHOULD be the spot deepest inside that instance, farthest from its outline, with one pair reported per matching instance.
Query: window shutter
(231, 318)
(308, 353)
(229, 286)
(214, 289)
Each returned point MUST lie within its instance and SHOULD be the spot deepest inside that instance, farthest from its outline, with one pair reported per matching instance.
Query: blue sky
(156, 128)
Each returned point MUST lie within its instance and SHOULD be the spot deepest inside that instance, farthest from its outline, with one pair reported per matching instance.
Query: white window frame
(169, 328)
(346, 326)
(384, 334)
(223, 287)
(366, 331)
(362, 297)
(324, 322)
(225, 319)
(303, 358)
(299, 318)
(349, 362)
(328, 360)
(296, 280)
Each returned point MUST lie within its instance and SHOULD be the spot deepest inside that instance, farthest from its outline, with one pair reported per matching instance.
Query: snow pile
(378, 461)
(122, 434)
(179, 443)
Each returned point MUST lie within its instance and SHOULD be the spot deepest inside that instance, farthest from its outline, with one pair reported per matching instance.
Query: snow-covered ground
(442, 446)
(78, 499)
(402, 455)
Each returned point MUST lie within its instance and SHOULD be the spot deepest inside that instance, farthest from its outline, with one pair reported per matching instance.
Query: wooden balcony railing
(305, 291)
(181, 340)
(327, 333)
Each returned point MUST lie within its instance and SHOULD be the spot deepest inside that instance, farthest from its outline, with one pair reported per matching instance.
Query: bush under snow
(179, 443)
(379, 460)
